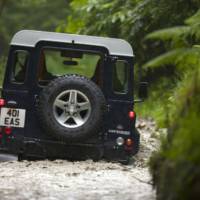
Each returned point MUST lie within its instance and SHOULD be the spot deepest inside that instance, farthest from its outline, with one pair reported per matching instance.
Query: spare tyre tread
(92, 127)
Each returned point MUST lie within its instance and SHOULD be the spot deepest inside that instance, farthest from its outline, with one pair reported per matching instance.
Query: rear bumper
(42, 149)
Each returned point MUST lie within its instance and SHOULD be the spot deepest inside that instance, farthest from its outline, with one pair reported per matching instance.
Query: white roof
(30, 38)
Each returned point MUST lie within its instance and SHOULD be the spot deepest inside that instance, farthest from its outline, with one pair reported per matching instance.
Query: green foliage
(181, 51)
(30, 14)
(183, 59)
(157, 106)
(131, 19)
(175, 167)
(195, 19)
(174, 37)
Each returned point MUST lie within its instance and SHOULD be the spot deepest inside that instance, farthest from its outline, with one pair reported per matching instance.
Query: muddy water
(51, 180)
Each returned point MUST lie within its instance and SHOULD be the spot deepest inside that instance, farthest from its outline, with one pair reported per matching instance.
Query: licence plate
(12, 117)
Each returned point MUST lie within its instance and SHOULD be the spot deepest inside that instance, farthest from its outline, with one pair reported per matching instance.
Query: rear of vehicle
(69, 99)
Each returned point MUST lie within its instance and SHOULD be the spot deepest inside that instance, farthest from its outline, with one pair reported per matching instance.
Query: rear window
(55, 63)
(120, 77)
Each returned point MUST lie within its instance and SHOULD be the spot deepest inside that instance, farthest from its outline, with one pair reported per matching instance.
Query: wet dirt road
(52, 180)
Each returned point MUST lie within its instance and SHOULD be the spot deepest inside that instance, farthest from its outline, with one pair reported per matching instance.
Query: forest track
(60, 179)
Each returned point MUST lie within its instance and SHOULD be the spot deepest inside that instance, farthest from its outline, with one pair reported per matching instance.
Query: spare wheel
(71, 108)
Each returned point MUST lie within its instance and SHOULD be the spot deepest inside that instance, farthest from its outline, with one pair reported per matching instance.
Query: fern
(183, 59)
(172, 166)
(169, 33)
(173, 37)
(194, 19)
(179, 41)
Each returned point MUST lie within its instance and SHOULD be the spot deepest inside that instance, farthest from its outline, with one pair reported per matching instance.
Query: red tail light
(131, 115)
(129, 145)
(2, 102)
(7, 130)
(129, 142)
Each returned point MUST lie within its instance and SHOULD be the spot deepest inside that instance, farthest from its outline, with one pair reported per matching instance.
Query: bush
(175, 168)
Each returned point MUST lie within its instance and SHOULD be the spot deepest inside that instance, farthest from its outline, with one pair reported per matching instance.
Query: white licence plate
(12, 117)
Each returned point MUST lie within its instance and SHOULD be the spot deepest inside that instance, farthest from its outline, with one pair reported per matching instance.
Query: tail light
(131, 115)
(2, 102)
(8, 130)
(129, 142)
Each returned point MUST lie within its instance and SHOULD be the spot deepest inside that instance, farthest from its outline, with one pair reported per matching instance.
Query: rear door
(119, 87)
(16, 90)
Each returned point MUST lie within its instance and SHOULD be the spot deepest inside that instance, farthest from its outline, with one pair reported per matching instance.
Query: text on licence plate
(12, 117)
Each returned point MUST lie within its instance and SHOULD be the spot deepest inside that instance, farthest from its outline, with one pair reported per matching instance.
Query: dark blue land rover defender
(68, 96)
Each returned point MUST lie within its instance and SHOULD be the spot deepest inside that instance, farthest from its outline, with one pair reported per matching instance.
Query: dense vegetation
(28, 14)
(165, 36)
(134, 20)
(175, 168)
